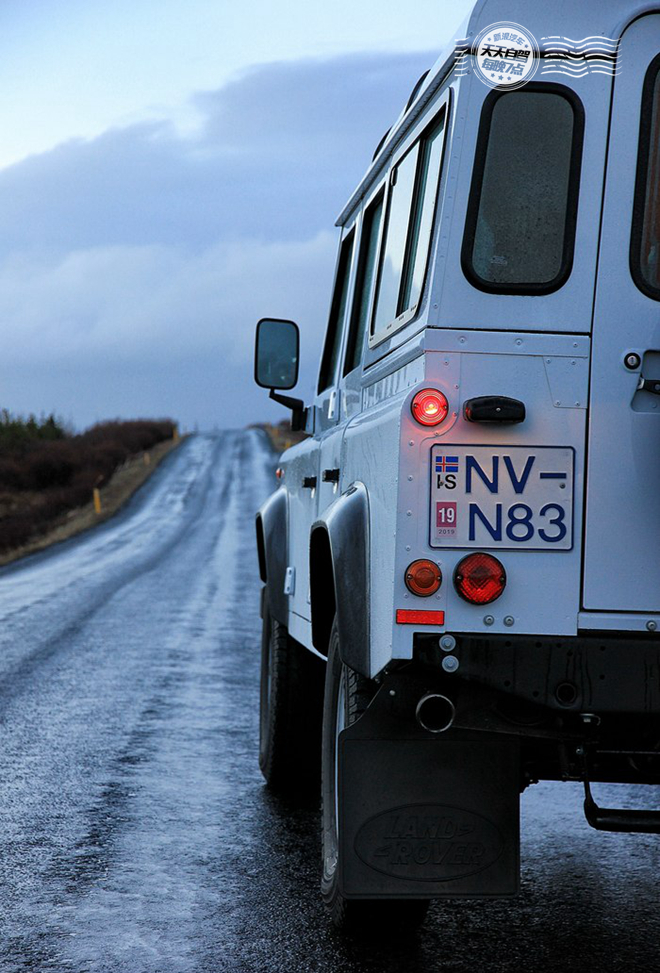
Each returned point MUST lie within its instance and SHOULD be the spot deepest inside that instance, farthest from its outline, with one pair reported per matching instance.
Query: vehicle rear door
(622, 568)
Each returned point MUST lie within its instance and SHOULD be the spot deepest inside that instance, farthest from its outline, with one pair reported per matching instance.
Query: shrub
(55, 471)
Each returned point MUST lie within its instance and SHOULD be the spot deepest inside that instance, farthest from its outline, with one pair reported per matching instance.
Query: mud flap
(425, 815)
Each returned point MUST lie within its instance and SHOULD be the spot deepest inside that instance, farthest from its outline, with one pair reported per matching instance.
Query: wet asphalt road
(135, 833)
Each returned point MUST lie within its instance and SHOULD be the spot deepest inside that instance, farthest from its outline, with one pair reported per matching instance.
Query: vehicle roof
(560, 19)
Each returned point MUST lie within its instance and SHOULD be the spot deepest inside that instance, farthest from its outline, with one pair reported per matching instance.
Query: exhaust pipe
(435, 713)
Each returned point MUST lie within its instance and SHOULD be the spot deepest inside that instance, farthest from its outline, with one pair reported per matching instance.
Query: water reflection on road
(135, 832)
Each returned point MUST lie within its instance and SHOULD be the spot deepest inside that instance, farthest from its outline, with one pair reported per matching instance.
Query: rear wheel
(347, 696)
(291, 701)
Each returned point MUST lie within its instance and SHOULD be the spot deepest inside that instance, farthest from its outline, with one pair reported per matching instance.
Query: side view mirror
(276, 354)
(276, 361)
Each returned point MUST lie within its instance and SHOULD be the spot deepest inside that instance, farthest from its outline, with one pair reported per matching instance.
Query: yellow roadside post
(97, 500)
(147, 459)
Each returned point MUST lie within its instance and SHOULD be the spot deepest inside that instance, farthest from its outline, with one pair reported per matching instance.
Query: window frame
(335, 329)
(572, 195)
(440, 109)
(641, 180)
(361, 253)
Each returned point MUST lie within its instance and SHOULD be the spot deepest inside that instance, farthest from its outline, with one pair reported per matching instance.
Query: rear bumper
(600, 674)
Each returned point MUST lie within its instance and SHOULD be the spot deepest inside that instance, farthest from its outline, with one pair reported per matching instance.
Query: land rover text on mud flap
(461, 589)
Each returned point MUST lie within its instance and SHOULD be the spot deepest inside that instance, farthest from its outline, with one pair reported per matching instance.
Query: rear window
(645, 244)
(520, 226)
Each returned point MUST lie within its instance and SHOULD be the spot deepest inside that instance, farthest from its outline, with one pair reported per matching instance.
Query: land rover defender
(461, 590)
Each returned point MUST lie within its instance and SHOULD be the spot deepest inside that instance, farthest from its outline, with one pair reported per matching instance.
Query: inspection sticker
(513, 497)
(445, 514)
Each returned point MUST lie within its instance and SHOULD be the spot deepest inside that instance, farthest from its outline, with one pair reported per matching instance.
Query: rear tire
(347, 696)
(291, 700)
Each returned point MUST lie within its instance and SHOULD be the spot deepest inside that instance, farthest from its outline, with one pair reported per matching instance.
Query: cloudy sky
(169, 173)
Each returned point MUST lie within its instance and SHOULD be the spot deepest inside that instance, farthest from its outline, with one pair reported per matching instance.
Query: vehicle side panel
(370, 454)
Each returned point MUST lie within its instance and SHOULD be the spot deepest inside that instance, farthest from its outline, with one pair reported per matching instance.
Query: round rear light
(429, 407)
(423, 578)
(480, 578)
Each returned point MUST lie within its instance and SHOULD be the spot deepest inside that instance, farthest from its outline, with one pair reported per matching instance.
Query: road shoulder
(123, 484)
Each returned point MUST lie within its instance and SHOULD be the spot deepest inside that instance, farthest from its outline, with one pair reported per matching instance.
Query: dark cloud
(145, 244)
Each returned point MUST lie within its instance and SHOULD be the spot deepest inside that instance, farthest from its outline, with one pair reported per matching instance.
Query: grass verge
(119, 489)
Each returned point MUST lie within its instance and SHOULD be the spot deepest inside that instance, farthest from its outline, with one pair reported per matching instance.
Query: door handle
(330, 476)
(309, 482)
(494, 408)
(649, 385)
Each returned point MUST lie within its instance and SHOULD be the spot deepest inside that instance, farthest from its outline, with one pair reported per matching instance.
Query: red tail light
(480, 578)
(423, 577)
(429, 407)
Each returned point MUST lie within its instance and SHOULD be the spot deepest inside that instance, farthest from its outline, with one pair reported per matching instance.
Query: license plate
(516, 497)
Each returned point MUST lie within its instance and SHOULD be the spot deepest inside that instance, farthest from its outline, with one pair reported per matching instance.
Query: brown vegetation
(45, 471)
(281, 436)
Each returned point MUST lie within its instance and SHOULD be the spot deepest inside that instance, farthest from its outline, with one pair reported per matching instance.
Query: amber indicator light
(423, 578)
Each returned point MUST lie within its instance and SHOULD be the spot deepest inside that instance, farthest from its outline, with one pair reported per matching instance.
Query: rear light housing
(423, 578)
(429, 407)
(480, 578)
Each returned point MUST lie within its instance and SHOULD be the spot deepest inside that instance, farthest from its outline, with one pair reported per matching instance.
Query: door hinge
(290, 581)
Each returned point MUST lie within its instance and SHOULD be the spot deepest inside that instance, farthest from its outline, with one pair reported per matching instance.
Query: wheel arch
(339, 577)
(272, 550)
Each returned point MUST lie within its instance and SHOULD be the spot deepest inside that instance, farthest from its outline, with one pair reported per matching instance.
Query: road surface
(135, 832)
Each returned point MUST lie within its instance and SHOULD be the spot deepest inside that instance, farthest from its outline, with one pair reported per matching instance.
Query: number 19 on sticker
(445, 519)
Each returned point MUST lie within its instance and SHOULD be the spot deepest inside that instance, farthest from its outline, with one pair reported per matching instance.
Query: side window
(520, 227)
(365, 275)
(409, 222)
(333, 336)
(422, 217)
(645, 241)
(402, 185)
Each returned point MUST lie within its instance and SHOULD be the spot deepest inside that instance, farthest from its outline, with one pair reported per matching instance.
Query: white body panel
(469, 342)
(622, 569)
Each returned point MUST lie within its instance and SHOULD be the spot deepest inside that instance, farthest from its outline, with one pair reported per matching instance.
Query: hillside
(48, 475)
